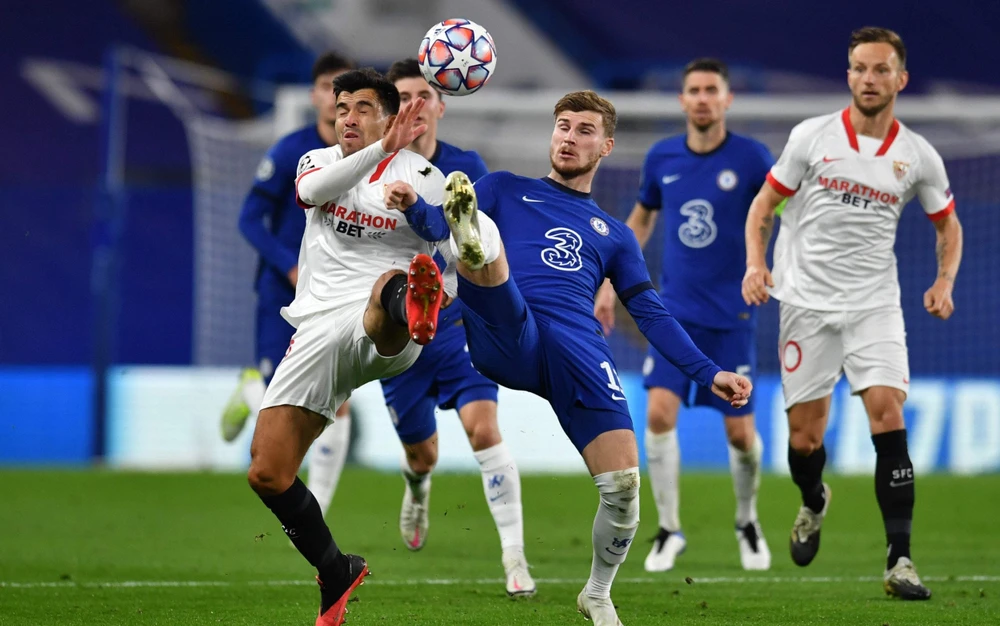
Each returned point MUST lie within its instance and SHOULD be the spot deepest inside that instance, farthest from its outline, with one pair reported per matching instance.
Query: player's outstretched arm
(641, 221)
(759, 226)
(937, 299)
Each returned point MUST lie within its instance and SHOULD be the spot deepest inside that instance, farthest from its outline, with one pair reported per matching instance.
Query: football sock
(326, 460)
(614, 527)
(663, 459)
(807, 473)
(745, 468)
(301, 519)
(420, 484)
(393, 299)
(502, 486)
(894, 491)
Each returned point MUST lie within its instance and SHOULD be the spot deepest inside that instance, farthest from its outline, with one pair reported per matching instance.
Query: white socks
(420, 484)
(326, 461)
(489, 235)
(745, 468)
(252, 390)
(614, 527)
(663, 457)
(502, 486)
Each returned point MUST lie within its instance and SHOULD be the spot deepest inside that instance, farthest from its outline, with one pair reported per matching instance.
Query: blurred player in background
(273, 224)
(347, 331)
(848, 176)
(703, 182)
(443, 376)
(540, 335)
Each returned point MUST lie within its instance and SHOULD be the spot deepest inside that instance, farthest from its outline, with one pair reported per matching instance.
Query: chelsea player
(443, 376)
(528, 311)
(703, 183)
(273, 224)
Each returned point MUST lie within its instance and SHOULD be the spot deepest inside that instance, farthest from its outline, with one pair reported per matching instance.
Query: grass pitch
(97, 547)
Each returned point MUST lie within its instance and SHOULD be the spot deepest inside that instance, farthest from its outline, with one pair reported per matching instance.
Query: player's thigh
(875, 350)
(734, 350)
(282, 436)
(611, 451)
(509, 353)
(811, 353)
(667, 387)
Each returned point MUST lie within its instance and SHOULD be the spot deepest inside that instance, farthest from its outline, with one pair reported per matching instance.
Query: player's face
(416, 87)
(360, 120)
(874, 76)
(578, 143)
(705, 98)
(322, 97)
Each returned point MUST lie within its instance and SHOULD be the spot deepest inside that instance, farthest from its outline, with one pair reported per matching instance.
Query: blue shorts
(571, 369)
(273, 335)
(442, 376)
(734, 350)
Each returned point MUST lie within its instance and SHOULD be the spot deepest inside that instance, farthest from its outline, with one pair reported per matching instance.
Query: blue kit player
(702, 182)
(273, 224)
(528, 311)
(443, 376)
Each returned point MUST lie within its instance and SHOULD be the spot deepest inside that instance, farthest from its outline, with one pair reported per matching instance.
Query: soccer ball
(457, 57)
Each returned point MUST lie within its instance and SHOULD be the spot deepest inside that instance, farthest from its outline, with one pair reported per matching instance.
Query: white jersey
(353, 239)
(835, 245)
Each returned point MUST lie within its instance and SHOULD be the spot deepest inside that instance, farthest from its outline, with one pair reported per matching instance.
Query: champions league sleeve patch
(265, 170)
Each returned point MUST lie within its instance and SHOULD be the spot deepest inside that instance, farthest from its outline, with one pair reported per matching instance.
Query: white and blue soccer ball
(457, 57)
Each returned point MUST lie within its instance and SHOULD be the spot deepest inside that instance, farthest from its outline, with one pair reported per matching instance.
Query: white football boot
(754, 553)
(519, 581)
(413, 516)
(600, 611)
(667, 546)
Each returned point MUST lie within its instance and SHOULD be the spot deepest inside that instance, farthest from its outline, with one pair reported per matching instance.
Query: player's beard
(873, 110)
(569, 173)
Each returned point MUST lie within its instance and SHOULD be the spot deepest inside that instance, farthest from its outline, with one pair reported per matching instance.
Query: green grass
(80, 529)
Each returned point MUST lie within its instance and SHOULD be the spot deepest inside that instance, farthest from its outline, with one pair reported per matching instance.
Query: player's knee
(660, 421)
(886, 419)
(741, 435)
(375, 299)
(422, 458)
(268, 481)
(805, 442)
(620, 493)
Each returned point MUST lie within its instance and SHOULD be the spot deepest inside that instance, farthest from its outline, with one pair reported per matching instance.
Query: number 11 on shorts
(614, 383)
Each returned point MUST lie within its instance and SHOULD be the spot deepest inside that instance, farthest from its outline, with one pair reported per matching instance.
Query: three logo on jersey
(856, 194)
(354, 223)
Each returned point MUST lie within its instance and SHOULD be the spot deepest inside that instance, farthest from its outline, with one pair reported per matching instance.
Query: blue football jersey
(704, 199)
(271, 220)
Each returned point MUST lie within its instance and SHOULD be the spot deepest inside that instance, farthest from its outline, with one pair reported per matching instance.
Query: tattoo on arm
(942, 250)
(767, 224)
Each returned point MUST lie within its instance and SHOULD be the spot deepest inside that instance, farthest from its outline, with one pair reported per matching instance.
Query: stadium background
(131, 130)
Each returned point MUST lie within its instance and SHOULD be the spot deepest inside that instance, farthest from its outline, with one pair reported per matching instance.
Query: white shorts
(330, 356)
(817, 346)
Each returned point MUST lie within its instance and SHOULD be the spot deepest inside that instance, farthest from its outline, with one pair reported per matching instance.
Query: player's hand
(732, 388)
(755, 284)
(404, 127)
(399, 195)
(937, 299)
(293, 275)
(604, 307)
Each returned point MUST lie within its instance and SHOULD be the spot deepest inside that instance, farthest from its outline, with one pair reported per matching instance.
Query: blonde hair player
(848, 176)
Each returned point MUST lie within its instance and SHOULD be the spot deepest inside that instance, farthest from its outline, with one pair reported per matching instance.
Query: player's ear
(729, 98)
(390, 120)
(904, 79)
(608, 146)
(440, 105)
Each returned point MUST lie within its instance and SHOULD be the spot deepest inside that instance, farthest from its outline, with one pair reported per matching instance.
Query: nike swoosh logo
(498, 497)
(671, 178)
(527, 199)
(615, 396)
(893, 483)
(610, 551)
(829, 160)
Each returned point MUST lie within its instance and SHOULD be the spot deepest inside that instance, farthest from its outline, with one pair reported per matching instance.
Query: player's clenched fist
(399, 196)
(755, 284)
(937, 299)
(732, 388)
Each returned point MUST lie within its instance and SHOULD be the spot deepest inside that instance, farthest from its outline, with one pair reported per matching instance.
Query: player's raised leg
(408, 300)
(475, 240)
(282, 436)
(663, 458)
(806, 459)
(894, 489)
(745, 451)
(502, 487)
(329, 454)
(613, 460)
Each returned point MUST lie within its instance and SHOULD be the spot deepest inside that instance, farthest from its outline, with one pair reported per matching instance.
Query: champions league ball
(457, 57)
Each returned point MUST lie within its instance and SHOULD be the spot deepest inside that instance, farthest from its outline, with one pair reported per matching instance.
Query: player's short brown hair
(405, 68)
(874, 34)
(329, 63)
(578, 101)
(707, 64)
